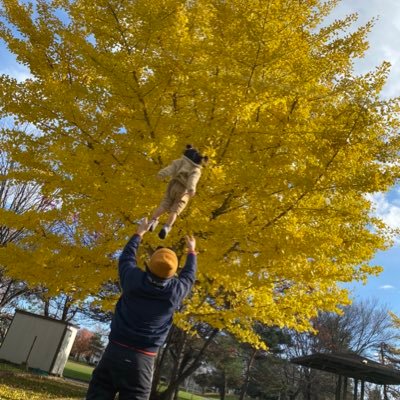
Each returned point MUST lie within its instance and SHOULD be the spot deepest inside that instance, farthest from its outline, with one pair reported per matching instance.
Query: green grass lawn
(76, 370)
(189, 396)
(217, 396)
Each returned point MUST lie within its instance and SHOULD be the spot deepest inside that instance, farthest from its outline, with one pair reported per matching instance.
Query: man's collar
(155, 280)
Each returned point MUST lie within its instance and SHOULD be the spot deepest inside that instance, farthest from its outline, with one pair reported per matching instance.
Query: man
(142, 319)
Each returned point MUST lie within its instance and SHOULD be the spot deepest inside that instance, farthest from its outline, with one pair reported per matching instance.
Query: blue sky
(385, 287)
(384, 45)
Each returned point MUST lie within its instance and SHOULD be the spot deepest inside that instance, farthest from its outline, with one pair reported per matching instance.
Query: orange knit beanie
(163, 263)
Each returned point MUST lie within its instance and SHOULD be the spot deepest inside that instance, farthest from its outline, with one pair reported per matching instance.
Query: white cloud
(384, 38)
(386, 287)
(387, 211)
(19, 72)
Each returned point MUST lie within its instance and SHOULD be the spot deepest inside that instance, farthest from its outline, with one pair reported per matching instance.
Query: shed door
(63, 354)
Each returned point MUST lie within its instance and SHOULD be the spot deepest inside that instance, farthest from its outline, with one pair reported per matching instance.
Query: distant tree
(225, 365)
(18, 198)
(82, 343)
(183, 353)
(360, 329)
(205, 380)
(96, 342)
(95, 347)
(267, 378)
(375, 394)
(91, 309)
(263, 369)
(61, 307)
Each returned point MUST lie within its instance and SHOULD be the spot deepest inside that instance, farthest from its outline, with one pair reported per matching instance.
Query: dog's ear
(188, 146)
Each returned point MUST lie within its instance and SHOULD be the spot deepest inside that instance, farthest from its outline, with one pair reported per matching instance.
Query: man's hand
(143, 227)
(190, 243)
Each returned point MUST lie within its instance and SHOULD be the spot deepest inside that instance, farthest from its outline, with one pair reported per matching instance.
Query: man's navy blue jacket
(143, 314)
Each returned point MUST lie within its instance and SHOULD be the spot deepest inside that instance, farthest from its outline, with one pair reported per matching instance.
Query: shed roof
(352, 366)
(46, 318)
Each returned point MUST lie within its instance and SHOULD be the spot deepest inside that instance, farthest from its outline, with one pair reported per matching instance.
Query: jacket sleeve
(170, 170)
(193, 180)
(127, 265)
(186, 278)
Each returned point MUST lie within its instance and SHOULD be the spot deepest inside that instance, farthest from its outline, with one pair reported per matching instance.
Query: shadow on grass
(40, 385)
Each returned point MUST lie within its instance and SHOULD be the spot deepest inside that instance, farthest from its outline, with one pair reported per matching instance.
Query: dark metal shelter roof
(352, 366)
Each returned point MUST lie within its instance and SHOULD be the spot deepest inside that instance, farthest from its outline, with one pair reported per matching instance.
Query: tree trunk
(3, 300)
(46, 310)
(307, 386)
(338, 393)
(65, 310)
(247, 375)
(222, 391)
(184, 371)
(171, 391)
(176, 394)
(159, 363)
(385, 392)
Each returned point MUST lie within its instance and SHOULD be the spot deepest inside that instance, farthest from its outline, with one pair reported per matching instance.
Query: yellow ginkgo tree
(296, 139)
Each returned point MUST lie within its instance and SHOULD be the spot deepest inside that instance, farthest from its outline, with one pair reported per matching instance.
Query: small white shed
(39, 342)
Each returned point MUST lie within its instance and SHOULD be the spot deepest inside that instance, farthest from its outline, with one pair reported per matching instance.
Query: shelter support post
(338, 387)
(355, 389)
(344, 397)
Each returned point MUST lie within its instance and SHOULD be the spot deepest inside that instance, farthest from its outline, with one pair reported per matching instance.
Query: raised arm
(127, 260)
(188, 274)
(169, 170)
